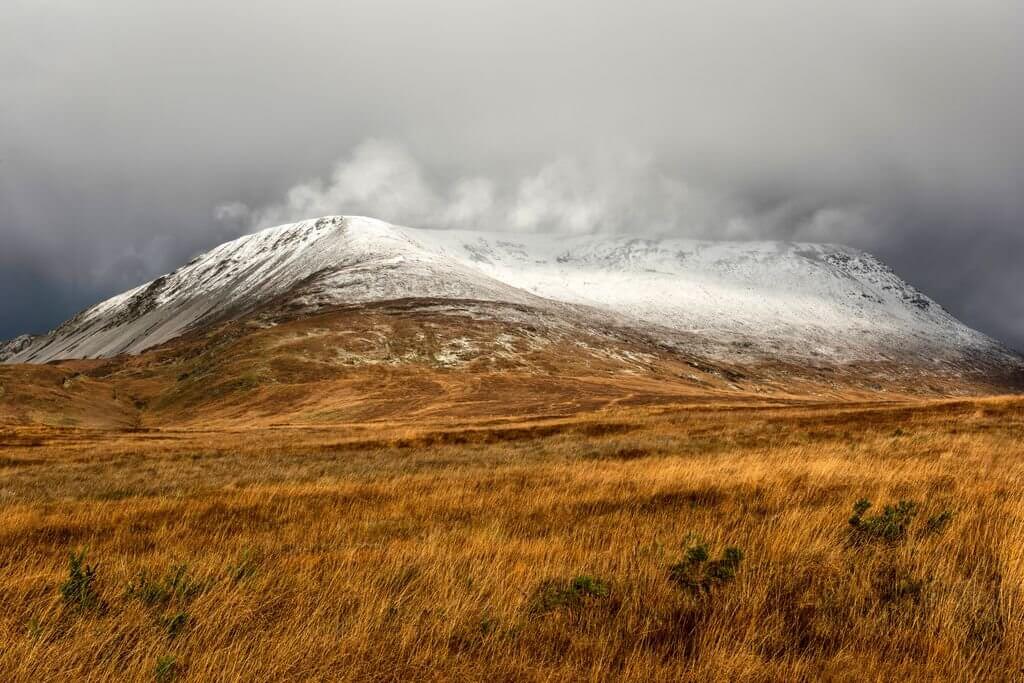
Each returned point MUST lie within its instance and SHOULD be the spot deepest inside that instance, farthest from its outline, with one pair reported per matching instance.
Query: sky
(134, 135)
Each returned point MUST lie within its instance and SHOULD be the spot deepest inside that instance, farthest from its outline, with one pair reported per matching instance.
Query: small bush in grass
(558, 593)
(588, 586)
(175, 624)
(892, 524)
(166, 669)
(696, 554)
(79, 591)
(936, 524)
(892, 583)
(859, 508)
(889, 526)
(723, 570)
(700, 575)
(176, 584)
(33, 629)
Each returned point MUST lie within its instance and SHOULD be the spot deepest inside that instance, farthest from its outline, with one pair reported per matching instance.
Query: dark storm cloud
(135, 134)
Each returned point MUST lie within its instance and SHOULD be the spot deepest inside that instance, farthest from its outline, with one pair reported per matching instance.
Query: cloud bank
(615, 192)
(128, 129)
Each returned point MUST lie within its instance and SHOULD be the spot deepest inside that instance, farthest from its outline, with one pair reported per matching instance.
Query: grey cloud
(891, 126)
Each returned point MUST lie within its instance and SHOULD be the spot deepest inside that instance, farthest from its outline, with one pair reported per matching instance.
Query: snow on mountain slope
(750, 290)
(332, 260)
(791, 300)
(12, 346)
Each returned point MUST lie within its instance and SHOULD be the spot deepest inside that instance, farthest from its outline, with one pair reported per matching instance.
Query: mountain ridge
(820, 304)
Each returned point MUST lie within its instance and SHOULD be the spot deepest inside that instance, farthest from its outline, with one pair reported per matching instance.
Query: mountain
(749, 303)
(15, 346)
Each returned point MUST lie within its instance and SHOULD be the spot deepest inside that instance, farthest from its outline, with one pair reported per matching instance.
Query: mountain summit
(735, 301)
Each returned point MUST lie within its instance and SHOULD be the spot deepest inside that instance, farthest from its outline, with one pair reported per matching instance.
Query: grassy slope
(383, 550)
(372, 365)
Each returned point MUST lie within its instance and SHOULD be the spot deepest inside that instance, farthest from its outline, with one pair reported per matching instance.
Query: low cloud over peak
(613, 191)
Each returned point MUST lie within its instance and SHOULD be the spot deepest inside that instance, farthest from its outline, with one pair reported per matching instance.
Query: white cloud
(616, 191)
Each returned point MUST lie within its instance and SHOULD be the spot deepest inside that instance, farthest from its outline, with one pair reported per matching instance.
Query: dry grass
(385, 363)
(386, 553)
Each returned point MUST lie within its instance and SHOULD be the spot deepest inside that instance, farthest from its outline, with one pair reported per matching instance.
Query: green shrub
(175, 624)
(166, 669)
(893, 583)
(557, 593)
(889, 526)
(588, 586)
(244, 567)
(699, 575)
(936, 524)
(176, 584)
(79, 591)
(33, 629)
(697, 554)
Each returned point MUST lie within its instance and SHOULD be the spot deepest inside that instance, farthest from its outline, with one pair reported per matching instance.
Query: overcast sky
(136, 134)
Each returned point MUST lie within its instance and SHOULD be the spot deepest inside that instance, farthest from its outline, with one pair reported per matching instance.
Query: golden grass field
(385, 550)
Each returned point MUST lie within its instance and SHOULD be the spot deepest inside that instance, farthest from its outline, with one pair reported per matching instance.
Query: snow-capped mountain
(753, 299)
(14, 346)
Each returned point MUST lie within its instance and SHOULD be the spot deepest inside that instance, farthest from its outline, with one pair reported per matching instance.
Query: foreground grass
(575, 552)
